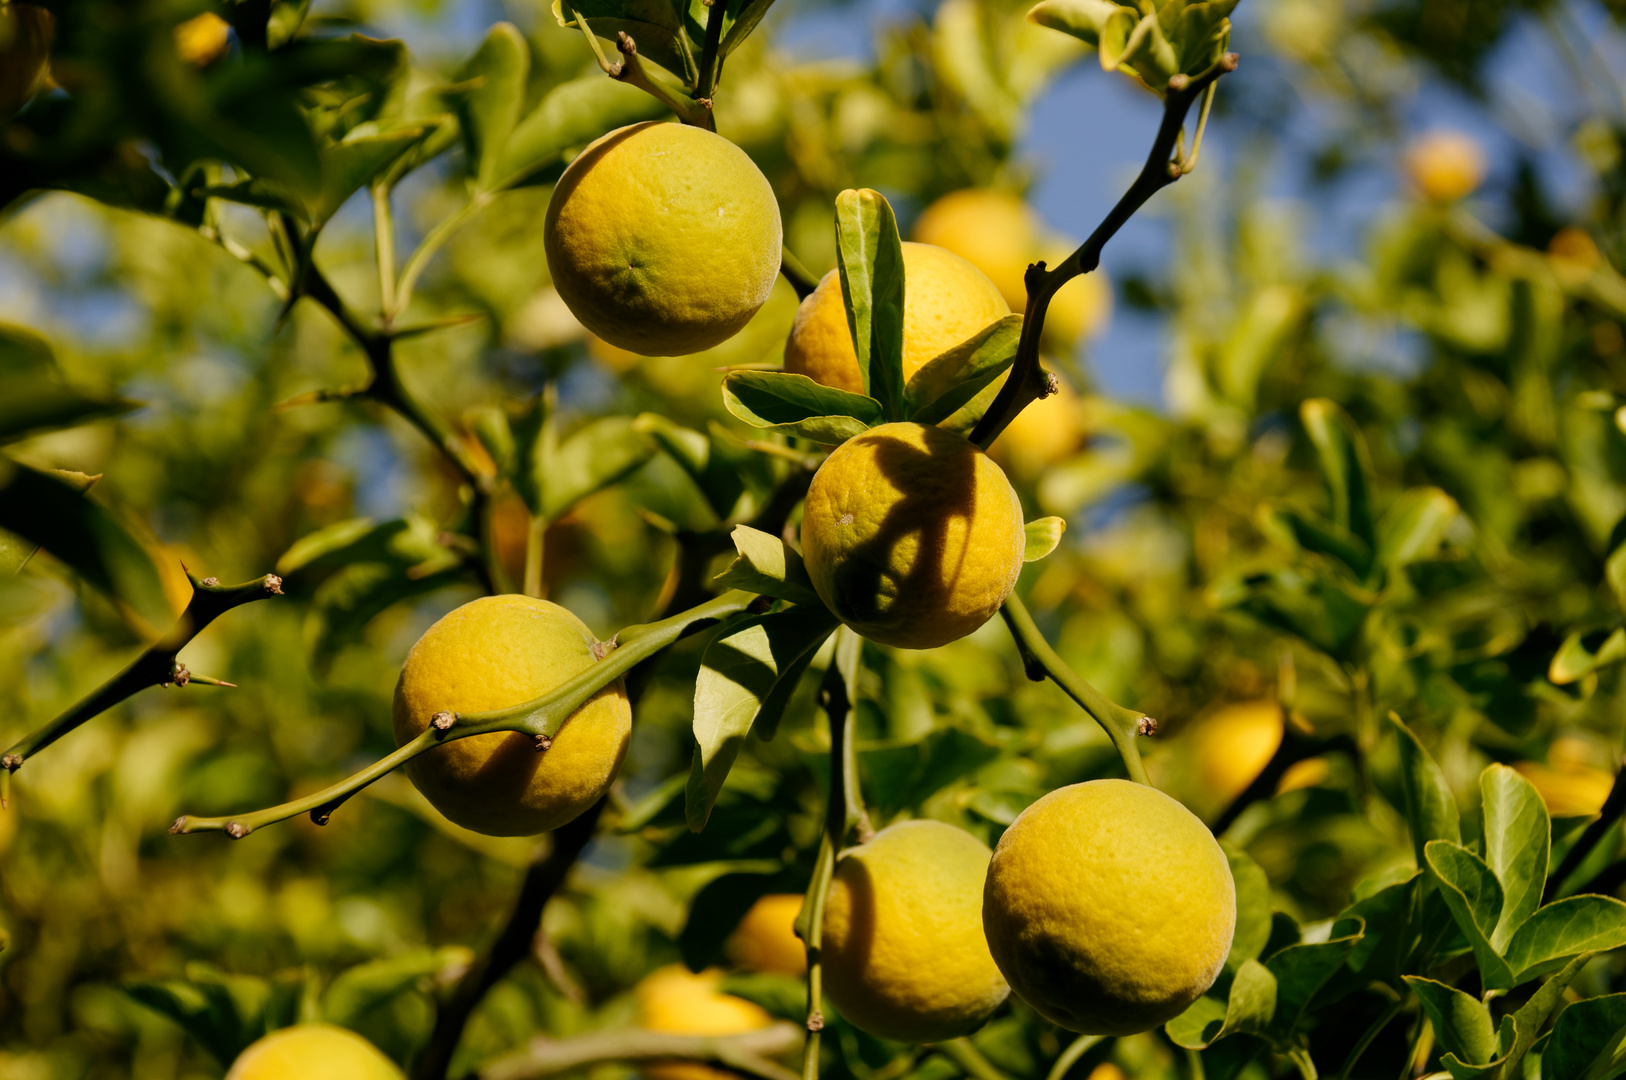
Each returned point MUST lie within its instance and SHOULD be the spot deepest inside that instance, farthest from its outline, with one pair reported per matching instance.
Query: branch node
(1230, 60)
(1146, 725)
(1051, 385)
(601, 649)
(815, 1021)
(212, 582)
(543, 742)
(1179, 81)
(443, 720)
(11, 762)
(178, 826)
(237, 830)
(273, 584)
(178, 675)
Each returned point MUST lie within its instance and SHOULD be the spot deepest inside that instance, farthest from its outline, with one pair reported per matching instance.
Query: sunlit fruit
(1109, 907)
(912, 535)
(663, 239)
(766, 938)
(493, 653)
(904, 954)
(676, 1000)
(313, 1052)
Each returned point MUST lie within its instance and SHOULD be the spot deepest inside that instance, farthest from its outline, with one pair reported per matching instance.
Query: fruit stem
(543, 878)
(384, 247)
(1027, 381)
(1040, 660)
(1069, 1057)
(540, 718)
(154, 667)
(748, 1053)
(969, 1059)
(813, 934)
(710, 55)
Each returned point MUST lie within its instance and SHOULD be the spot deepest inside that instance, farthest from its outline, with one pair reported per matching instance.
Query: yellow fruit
(1445, 165)
(202, 40)
(313, 1052)
(663, 239)
(945, 301)
(675, 999)
(766, 938)
(25, 50)
(1232, 746)
(912, 535)
(1109, 907)
(1309, 773)
(489, 654)
(1042, 434)
(1568, 790)
(904, 955)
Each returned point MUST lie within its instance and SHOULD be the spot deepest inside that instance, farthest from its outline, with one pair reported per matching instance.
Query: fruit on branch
(1001, 235)
(493, 653)
(904, 954)
(663, 239)
(766, 941)
(912, 535)
(1109, 907)
(945, 301)
(313, 1052)
(675, 999)
(1445, 166)
(25, 51)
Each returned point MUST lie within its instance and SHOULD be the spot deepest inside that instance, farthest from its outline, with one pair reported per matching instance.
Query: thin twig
(431, 243)
(158, 666)
(384, 249)
(1040, 661)
(540, 718)
(1069, 1057)
(749, 1052)
(544, 878)
(1613, 807)
(710, 54)
(969, 1059)
(1027, 381)
(1366, 1038)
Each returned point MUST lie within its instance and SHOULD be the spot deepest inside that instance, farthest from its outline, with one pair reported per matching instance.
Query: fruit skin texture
(313, 1052)
(675, 999)
(904, 954)
(766, 941)
(492, 653)
(663, 239)
(945, 301)
(912, 535)
(1109, 907)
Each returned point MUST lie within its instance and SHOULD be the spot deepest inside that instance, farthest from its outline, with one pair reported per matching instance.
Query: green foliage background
(1471, 582)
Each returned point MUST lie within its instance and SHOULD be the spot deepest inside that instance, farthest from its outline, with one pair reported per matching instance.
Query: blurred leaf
(947, 382)
(1414, 526)
(1042, 537)
(1345, 464)
(572, 114)
(596, 455)
(1517, 837)
(286, 18)
(1321, 537)
(716, 910)
(1585, 651)
(224, 1013)
(1532, 1016)
(357, 991)
(1586, 1040)
(1563, 929)
(1324, 612)
(341, 542)
(796, 405)
(490, 426)
(1301, 971)
(1431, 812)
(51, 511)
(351, 165)
(1461, 1022)
(907, 775)
(767, 565)
(870, 258)
(1252, 908)
(1391, 932)
(489, 110)
(33, 396)
(1473, 894)
(741, 666)
(743, 22)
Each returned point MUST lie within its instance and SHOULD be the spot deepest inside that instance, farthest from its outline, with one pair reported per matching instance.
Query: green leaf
(1252, 908)
(1532, 1015)
(1518, 836)
(1473, 894)
(945, 383)
(498, 70)
(596, 455)
(1247, 1010)
(572, 114)
(1345, 464)
(1431, 812)
(767, 565)
(870, 258)
(1585, 651)
(357, 991)
(51, 511)
(1391, 932)
(1323, 611)
(741, 666)
(1414, 527)
(351, 165)
(1301, 971)
(1563, 929)
(1199, 1025)
(744, 21)
(796, 405)
(1322, 537)
(33, 395)
(1042, 537)
(1586, 1040)
(656, 25)
(1461, 1022)
(224, 1013)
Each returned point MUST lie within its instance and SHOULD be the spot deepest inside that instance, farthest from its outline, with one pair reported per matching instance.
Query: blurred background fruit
(677, 1000)
(766, 941)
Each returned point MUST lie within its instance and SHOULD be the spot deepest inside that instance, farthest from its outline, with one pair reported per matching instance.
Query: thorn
(237, 830)
(1146, 726)
(543, 742)
(208, 680)
(273, 584)
(443, 720)
(815, 1022)
(601, 649)
(212, 582)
